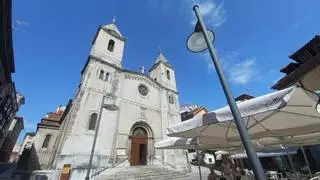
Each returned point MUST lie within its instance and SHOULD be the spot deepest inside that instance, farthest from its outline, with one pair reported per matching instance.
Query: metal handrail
(164, 162)
(108, 167)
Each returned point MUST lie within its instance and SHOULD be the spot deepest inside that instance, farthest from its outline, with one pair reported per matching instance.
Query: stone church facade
(146, 106)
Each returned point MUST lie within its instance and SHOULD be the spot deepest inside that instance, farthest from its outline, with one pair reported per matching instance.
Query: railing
(164, 162)
(105, 168)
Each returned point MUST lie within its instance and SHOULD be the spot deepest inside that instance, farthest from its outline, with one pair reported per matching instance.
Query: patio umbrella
(288, 112)
(204, 143)
(294, 141)
(198, 143)
(180, 143)
(290, 141)
(261, 154)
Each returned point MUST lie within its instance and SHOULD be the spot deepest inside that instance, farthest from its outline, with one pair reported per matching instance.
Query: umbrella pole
(236, 162)
(290, 160)
(305, 158)
(198, 157)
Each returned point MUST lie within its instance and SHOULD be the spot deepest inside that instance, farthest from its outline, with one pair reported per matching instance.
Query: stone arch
(144, 125)
(136, 143)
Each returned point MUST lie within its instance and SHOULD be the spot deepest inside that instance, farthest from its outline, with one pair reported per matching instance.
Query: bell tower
(163, 73)
(108, 44)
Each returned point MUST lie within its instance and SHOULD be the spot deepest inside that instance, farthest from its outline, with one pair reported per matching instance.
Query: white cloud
(164, 5)
(207, 7)
(21, 23)
(239, 70)
(243, 72)
(301, 22)
(214, 14)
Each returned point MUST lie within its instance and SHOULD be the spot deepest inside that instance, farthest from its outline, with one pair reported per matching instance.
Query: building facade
(146, 105)
(24, 154)
(305, 72)
(10, 138)
(27, 141)
(8, 104)
(14, 156)
(9, 98)
(44, 142)
(188, 111)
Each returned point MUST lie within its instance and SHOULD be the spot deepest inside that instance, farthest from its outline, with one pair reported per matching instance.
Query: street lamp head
(196, 42)
(195, 6)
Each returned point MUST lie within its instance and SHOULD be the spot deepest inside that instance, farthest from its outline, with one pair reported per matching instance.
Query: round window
(143, 90)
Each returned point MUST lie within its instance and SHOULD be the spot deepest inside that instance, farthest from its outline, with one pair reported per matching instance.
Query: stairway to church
(141, 172)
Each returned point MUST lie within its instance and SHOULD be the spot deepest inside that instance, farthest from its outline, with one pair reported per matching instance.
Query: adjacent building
(10, 138)
(11, 131)
(10, 126)
(14, 156)
(243, 97)
(27, 141)
(24, 154)
(188, 111)
(8, 103)
(44, 142)
(304, 71)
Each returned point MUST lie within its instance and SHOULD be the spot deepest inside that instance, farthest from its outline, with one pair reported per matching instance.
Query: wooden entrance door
(139, 145)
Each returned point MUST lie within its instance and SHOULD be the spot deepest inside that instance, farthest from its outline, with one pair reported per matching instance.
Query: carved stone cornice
(142, 79)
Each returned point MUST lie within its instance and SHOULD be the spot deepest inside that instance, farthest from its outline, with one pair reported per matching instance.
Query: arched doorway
(139, 147)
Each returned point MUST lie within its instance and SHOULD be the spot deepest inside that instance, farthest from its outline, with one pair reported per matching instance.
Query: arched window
(46, 141)
(106, 78)
(93, 121)
(101, 74)
(140, 132)
(111, 45)
(171, 101)
(168, 74)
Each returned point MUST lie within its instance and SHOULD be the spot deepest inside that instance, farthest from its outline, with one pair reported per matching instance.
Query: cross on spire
(142, 69)
(161, 56)
(160, 50)
(114, 20)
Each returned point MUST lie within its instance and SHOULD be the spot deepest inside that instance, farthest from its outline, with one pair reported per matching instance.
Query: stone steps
(141, 173)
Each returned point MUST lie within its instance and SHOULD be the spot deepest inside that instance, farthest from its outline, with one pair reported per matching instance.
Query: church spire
(161, 57)
(112, 27)
(162, 72)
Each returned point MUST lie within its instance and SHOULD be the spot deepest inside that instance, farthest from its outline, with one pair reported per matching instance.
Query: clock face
(143, 90)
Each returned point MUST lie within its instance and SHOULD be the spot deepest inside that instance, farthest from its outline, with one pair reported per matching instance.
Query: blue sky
(52, 40)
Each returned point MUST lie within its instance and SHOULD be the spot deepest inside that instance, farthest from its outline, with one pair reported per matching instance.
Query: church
(135, 109)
